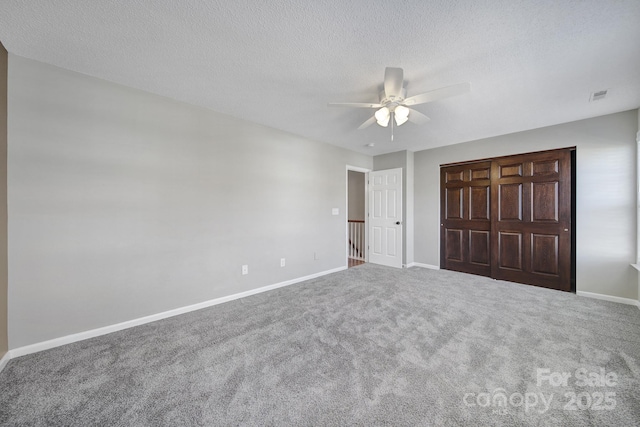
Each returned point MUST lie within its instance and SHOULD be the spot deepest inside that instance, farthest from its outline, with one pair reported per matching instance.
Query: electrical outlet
(315, 256)
(245, 269)
(282, 262)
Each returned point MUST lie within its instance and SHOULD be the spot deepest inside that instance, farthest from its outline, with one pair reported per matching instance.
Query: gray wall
(4, 346)
(606, 194)
(404, 160)
(356, 195)
(125, 204)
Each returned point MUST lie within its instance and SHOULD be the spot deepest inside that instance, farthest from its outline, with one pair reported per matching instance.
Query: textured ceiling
(531, 63)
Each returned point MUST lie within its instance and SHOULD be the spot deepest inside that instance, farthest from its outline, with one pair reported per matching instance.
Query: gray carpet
(367, 346)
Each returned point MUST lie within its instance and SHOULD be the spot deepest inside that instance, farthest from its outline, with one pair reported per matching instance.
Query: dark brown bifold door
(531, 219)
(465, 229)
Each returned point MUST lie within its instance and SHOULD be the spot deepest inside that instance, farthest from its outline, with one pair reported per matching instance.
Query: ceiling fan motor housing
(389, 101)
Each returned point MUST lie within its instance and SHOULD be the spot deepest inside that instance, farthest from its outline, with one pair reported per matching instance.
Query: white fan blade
(417, 117)
(393, 80)
(354, 104)
(368, 123)
(437, 94)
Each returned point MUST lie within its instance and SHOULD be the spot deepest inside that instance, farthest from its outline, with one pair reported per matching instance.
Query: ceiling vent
(597, 96)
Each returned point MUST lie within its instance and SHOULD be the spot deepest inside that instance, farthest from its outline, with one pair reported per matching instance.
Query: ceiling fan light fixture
(382, 116)
(394, 101)
(401, 114)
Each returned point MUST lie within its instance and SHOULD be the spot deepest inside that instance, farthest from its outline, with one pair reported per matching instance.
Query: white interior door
(385, 217)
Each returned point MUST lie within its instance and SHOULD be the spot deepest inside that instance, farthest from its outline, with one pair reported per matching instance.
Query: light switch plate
(335, 211)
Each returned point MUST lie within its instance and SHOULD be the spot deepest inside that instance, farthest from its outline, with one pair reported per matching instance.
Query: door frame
(366, 211)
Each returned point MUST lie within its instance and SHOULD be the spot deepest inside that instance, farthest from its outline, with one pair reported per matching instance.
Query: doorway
(374, 226)
(356, 217)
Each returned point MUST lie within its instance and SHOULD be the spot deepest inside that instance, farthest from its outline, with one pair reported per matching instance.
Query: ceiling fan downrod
(392, 119)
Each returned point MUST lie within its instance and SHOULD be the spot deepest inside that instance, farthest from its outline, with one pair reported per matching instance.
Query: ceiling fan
(394, 103)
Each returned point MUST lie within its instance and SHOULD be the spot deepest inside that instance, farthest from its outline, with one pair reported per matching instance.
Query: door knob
(397, 222)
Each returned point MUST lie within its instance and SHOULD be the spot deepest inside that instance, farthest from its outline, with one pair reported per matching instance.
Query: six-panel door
(385, 217)
(466, 222)
(531, 224)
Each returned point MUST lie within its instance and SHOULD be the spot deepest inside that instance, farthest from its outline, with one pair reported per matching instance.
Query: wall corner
(4, 340)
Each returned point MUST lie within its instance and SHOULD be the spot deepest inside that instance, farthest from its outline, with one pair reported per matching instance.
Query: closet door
(465, 229)
(531, 219)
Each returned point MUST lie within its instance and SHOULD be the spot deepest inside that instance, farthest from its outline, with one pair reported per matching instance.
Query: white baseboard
(621, 300)
(57, 342)
(419, 264)
(5, 359)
